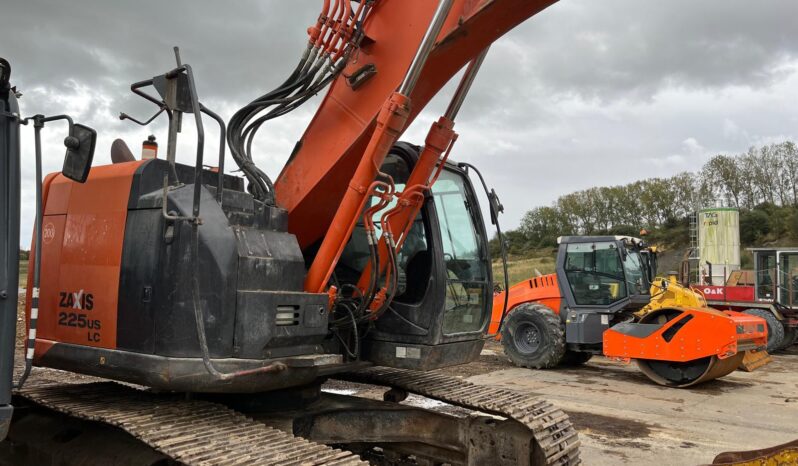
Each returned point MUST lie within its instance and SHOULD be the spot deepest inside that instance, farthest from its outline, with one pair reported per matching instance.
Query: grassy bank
(519, 269)
(23, 272)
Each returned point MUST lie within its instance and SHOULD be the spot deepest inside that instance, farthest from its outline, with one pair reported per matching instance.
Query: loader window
(636, 274)
(765, 275)
(788, 279)
(595, 273)
(464, 254)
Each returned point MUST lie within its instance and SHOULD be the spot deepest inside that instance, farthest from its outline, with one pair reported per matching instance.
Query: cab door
(787, 290)
(765, 263)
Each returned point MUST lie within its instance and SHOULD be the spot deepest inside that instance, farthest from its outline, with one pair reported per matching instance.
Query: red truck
(769, 291)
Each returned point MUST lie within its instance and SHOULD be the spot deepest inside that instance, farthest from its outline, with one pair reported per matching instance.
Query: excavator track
(199, 432)
(192, 432)
(551, 427)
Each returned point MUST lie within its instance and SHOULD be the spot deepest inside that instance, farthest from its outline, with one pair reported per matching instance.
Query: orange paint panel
(51, 264)
(81, 256)
(313, 181)
(58, 203)
(707, 333)
(42, 347)
(544, 290)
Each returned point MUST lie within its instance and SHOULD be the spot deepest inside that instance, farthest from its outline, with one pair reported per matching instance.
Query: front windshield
(595, 273)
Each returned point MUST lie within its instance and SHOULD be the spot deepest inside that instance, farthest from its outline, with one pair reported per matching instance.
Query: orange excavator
(195, 315)
(605, 298)
(232, 300)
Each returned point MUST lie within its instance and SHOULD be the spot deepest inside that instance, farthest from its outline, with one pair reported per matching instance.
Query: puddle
(339, 391)
(609, 425)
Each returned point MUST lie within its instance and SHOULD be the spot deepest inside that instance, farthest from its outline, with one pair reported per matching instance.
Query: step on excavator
(223, 303)
(605, 298)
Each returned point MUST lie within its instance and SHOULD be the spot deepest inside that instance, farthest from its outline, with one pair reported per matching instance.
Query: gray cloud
(585, 93)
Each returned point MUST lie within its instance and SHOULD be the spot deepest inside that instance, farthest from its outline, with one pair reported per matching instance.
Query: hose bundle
(333, 38)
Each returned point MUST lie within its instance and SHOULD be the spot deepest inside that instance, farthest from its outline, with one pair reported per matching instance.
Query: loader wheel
(790, 335)
(775, 328)
(575, 358)
(533, 337)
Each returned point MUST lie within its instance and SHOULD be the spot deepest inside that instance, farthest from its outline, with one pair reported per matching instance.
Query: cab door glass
(464, 255)
(414, 259)
(788, 279)
(636, 275)
(766, 275)
(595, 273)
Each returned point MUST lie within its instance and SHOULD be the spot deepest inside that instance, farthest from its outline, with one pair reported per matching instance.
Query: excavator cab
(444, 264)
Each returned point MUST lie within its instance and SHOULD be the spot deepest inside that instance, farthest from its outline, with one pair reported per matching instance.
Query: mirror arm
(136, 89)
(40, 120)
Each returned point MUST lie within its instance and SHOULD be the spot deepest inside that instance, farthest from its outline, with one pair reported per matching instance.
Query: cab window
(464, 254)
(595, 273)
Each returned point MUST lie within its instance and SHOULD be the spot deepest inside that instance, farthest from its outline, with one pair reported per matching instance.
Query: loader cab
(650, 264)
(444, 264)
(603, 279)
(605, 272)
(776, 276)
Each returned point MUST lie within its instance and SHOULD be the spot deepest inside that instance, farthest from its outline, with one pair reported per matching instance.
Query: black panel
(422, 357)
(247, 266)
(301, 329)
(637, 330)
(139, 280)
(149, 178)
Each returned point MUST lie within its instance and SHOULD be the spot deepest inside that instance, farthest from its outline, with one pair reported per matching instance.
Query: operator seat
(120, 152)
(417, 271)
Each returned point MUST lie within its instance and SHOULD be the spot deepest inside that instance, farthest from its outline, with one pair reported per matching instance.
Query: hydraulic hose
(334, 37)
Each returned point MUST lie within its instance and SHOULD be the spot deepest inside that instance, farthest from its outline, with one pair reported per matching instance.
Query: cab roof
(629, 240)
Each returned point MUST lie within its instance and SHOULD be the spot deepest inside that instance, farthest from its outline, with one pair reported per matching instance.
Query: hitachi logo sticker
(48, 232)
(76, 300)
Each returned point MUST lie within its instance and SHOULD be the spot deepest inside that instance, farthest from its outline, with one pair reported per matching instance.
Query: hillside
(762, 183)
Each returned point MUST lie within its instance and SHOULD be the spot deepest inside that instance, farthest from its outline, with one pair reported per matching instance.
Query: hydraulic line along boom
(438, 143)
(390, 124)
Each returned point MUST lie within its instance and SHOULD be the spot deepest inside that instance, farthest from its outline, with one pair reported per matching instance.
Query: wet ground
(623, 418)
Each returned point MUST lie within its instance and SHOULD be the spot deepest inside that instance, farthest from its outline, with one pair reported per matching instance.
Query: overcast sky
(586, 93)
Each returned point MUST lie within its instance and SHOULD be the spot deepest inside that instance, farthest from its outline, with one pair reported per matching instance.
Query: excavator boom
(318, 173)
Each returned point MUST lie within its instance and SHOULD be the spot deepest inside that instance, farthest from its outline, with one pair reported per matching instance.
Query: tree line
(763, 183)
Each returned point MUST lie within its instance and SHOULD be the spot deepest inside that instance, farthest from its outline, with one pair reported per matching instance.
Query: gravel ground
(622, 417)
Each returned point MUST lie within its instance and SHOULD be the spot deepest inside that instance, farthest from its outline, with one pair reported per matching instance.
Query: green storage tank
(718, 244)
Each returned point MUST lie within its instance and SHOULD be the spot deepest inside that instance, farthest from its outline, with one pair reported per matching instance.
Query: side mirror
(80, 152)
(496, 206)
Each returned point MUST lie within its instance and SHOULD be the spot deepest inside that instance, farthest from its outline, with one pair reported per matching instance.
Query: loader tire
(775, 328)
(790, 334)
(575, 358)
(533, 336)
